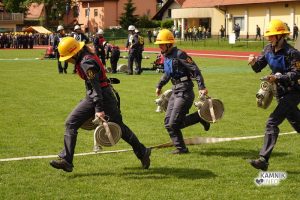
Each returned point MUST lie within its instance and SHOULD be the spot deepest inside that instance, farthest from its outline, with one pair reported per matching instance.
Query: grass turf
(35, 101)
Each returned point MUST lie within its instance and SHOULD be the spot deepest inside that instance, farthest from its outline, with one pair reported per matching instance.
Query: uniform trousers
(138, 62)
(286, 109)
(114, 58)
(84, 111)
(59, 65)
(176, 116)
(133, 56)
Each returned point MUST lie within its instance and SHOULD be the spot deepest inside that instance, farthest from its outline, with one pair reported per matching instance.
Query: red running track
(238, 55)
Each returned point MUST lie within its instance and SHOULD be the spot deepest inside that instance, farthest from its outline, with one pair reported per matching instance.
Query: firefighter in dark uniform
(100, 101)
(98, 46)
(179, 68)
(133, 47)
(113, 53)
(139, 54)
(80, 37)
(284, 62)
(57, 38)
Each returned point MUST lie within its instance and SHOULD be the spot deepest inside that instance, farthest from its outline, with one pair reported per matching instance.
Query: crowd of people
(22, 40)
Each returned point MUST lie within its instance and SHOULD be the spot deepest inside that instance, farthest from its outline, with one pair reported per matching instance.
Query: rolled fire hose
(106, 134)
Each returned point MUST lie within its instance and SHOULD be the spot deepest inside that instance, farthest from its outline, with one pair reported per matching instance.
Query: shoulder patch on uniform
(90, 73)
(189, 60)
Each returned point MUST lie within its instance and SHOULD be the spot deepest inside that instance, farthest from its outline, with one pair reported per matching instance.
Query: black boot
(180, 151)
(260, 163)
(62, 164)
(178, 142)
(193, 119)
(69, 146)
(146, 159)
(141, 152)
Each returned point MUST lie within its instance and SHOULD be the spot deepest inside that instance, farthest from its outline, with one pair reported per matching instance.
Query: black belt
(180, 80)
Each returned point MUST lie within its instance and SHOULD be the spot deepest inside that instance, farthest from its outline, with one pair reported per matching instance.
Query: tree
(168, 23)
(145, 22)
(15, 6)
(128, 18)
(54, 9)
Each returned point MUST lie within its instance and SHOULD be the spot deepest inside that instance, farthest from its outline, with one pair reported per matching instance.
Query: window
(240, 21)
(169, 13)
(87, 12)
(95, 12)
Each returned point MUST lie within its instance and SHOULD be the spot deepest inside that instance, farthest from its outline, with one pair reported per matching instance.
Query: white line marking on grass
(20, 59)
(56, 156)
(190, 141)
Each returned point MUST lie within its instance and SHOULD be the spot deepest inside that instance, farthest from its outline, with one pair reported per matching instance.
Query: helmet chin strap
(279, 42)
(278, 39)
(169, 47)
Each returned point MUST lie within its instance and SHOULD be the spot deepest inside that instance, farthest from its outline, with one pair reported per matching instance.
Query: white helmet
(76, 27)
(136, 31)
(60, 27)
(100, 32)
(131, 28)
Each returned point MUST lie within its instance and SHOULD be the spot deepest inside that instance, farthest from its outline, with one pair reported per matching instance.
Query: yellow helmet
(68, 47)
(165, 37)
(276, 27)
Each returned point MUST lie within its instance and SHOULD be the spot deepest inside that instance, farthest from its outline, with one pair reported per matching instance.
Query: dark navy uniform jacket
(133, 44)
(57, 39)
(180, 69)
(92, 71)
(285, 64)
(80, 37)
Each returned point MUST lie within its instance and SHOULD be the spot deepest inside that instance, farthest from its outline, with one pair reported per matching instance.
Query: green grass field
(35, 100)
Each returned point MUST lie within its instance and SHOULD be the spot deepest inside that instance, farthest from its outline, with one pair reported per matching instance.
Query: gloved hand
(271, 78)
(158, 91)
(101, 115)
(251, 59)
(203, 92)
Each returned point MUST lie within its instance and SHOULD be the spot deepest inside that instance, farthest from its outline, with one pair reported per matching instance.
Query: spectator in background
(258, 33)
(113, 54)
(222, 31)
(155, 32)
(51, 39)
(177, 34)
(98, 46)
(80, 37)
(237, 30)
(149, 34)
(295, 32)
(58, 37)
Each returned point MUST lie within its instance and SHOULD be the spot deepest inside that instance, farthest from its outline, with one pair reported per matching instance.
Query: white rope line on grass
(188, 141)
